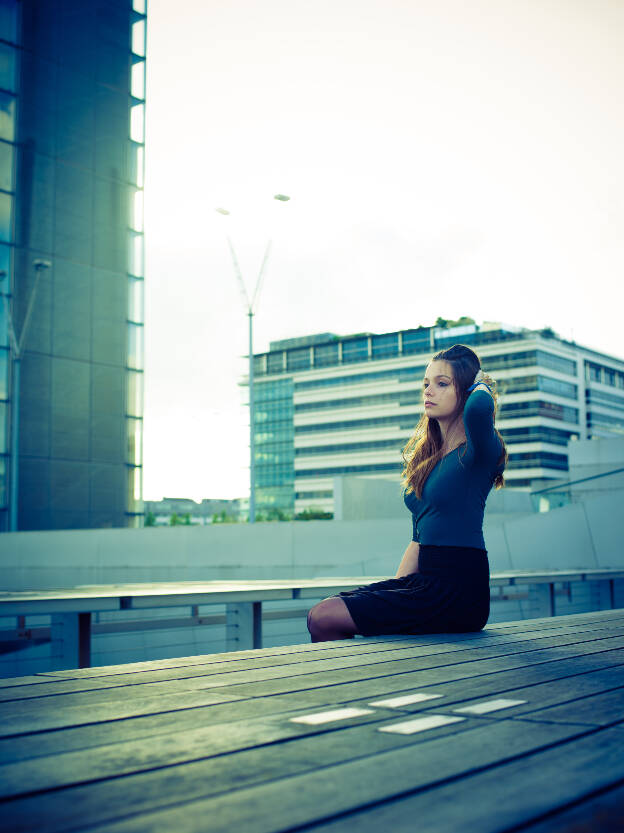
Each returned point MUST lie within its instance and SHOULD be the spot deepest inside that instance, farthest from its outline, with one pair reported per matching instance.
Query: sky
(442, 159)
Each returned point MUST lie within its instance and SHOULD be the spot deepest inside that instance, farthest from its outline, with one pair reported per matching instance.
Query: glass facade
(274, 447)
(409, 342)
(72, 109)
(388, 404)
(9, 77)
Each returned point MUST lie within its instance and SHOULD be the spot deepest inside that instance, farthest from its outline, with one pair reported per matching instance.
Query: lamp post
(17, 346)
(250, 307)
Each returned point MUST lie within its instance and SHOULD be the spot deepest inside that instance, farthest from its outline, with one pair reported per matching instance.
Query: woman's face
(439, 392)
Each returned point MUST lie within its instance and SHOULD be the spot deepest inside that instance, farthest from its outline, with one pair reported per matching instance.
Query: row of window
(538, 459)
(270, 390)
(542, 383)
(594, 419)
(317, 494)
(599, 397)
(537, 434)
(550, 410)
(388, 345)
(375, 445)
(604, 375)
(402, 374)
(402, 398)
(403, 421)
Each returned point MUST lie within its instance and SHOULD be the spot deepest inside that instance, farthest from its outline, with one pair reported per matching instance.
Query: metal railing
(560, 494)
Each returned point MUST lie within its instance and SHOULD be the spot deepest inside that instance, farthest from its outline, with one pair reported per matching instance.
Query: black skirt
(450, 593)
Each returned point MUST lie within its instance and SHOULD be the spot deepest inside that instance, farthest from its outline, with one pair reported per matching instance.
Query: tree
(150, 519)
(313, 514)
(222, 517)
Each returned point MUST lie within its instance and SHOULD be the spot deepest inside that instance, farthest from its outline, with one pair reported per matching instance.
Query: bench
(71, 609)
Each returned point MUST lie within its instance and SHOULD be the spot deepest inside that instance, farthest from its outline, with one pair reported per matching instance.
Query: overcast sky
(442, 158)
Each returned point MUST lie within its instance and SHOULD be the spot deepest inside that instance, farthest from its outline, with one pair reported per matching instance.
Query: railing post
(541, 600)
(71, 640)
(243, 629)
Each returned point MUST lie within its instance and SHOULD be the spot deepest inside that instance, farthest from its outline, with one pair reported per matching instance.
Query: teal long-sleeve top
(451, 509)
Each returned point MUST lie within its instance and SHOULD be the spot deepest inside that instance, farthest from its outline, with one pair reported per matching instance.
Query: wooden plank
(491, 801)
(598, 814)
(303, 652)
(95, 803)
(601, 709)
(472, 802)
(469, 680)
(197, 678)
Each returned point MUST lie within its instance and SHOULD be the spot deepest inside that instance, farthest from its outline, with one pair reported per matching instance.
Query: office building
(72, 99)
(332, 405)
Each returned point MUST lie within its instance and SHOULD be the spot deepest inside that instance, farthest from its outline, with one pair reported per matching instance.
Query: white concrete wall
(584, 534)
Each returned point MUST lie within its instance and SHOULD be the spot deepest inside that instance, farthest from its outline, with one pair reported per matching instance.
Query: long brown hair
(424, 448)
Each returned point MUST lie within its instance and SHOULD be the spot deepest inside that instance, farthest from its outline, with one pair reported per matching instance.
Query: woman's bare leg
(330, 619)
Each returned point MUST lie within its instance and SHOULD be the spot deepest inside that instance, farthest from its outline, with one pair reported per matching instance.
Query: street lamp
(17, 346)
(250, 307)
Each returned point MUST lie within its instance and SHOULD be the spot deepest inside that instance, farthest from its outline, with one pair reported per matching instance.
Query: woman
(451, 462)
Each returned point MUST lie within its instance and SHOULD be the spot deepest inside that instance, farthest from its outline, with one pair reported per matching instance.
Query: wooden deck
(519, 727)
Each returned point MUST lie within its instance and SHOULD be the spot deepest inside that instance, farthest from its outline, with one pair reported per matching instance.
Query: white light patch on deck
(330, 717)
(406, 700)
(421, 724)
(489, 706)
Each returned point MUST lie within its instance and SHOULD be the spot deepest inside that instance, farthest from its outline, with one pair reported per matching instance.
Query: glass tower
(72, 102)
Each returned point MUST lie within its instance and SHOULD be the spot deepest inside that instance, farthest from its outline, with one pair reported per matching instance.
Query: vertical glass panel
(135, 346)
(135, 254)
(136, 211)
(137, 80)
(137, 119)
(139, 6)
(6, 204)
(3, 427)
(135, 441)
(4, 465)
(7, 116)
(140, 155)
(135, 489)
(135, 300)
(134, 405)
(8, 20)
(6, 166)
(138, 37)
(4, 373)
(7, 67)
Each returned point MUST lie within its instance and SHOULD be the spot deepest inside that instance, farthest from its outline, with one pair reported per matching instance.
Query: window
(135, 164)
(137, 80)
(136, 210)
(298, 359)
(6, 166)
(326, 355)
(135, 300)
(135, 441)
(385, 345)
(138, 38)
(137, 123)
(135, 346)
(8, 20)
(416, 341)
(275, 362)
(7, 67)
(7, 116)
(6, 206)
(135, 254)
(134, 403)
(355, 350)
